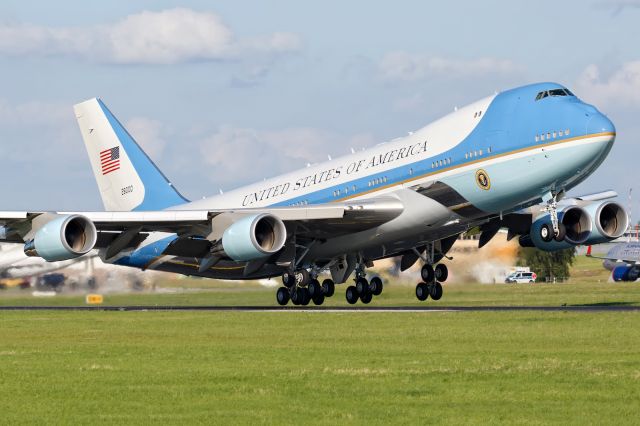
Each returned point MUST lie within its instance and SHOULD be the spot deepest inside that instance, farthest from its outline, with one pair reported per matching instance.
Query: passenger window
(537, 138)
(480, 152)
(555, 135)
(566, 132)
(548, 135)
(560, 133)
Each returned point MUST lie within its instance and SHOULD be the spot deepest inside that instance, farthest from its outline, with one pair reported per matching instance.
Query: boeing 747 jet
(505, 161)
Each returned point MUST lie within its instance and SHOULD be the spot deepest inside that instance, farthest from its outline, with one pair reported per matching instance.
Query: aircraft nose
(599, 123)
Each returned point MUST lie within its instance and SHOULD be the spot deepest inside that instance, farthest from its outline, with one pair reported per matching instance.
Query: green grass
(355, 368)
(60, 367)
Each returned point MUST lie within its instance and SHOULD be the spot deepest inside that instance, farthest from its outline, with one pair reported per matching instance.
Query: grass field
(318, 367)
(289, 367)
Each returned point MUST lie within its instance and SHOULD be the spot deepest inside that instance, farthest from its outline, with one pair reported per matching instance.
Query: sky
(224, 93)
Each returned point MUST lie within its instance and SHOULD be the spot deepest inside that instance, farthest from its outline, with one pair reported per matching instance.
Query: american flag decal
(110, 160)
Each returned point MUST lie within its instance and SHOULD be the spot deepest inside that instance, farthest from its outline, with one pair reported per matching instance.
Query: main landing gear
(301, 288)
(431, 281)
(363, 290)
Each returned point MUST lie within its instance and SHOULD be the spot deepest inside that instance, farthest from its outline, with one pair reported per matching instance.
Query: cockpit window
(554, 92)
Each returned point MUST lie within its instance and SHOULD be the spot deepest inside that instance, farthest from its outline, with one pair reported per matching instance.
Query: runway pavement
(413, 309)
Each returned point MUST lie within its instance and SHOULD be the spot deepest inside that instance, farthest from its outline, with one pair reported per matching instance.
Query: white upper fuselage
(428, 142)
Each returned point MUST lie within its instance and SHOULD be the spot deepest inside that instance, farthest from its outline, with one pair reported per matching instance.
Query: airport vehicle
(14, 283)
(505, 161)
(623, 260)
(521, 277)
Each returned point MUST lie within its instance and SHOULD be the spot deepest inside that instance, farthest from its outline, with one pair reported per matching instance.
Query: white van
(521, 277)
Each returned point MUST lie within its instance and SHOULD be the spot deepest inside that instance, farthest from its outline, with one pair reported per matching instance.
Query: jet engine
(575, 221)
(63, 238)
(610, 221)
(626, 273)
(254, 237)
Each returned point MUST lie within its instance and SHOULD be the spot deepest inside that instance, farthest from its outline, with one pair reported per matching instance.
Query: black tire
(633, 273)
(352, 295)
(288, 279)
(441, 272)
(422, 292)
(318, 298)
(426, 273)
(282, 296)
(366, 298)
(328, 287)
(435, 291)
(302, 277)
(546, 232)
(362, 285)
(306, 296)
(314, 288)
(375, 285)
(296, 296)
(562, 232)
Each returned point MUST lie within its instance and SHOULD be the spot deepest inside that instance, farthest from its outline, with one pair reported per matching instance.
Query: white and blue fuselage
(494, 156)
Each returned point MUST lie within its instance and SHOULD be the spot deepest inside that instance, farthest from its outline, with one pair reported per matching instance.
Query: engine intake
(254, 237)
(578, 225)
(63, 238)
(610, 222)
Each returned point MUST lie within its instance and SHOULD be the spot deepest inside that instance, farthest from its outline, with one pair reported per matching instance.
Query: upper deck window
(553, 92)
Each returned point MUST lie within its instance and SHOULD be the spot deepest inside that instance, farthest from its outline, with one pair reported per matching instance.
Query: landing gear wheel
(328, 287)
(305, 298)
(314, 288)
(426, 273)
(366, 298)
(302, 277)
(435, 291)
(362, 285)
(422, 292)
(282, 296)
(288, 279)
(441, 272)
(562, 232)
(546, 232)
(295, 295)
(352, 295)
(375, 285)
(318, 298)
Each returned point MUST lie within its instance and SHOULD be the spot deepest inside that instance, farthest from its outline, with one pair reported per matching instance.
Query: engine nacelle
(254, 237)
(576, 221)
(610, 221)
(63, 238)
(625, 273)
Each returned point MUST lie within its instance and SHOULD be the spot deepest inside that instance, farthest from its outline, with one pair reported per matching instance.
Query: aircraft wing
(611, 258)
(129, 229)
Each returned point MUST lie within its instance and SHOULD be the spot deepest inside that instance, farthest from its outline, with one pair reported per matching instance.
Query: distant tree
(548, 264)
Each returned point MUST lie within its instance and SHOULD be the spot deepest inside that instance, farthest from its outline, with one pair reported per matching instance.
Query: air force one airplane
(505, 161)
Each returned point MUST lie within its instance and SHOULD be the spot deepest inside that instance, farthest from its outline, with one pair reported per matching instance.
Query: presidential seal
(482, 179)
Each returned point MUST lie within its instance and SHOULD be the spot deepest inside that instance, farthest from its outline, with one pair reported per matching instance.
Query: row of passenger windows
(378, 181)
(345, 191)
(300, 203)
(551, 135)
(476, 153)
(441, 163)
(554, 92)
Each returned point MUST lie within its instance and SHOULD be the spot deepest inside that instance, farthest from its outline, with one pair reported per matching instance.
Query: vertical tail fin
(126, 176)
